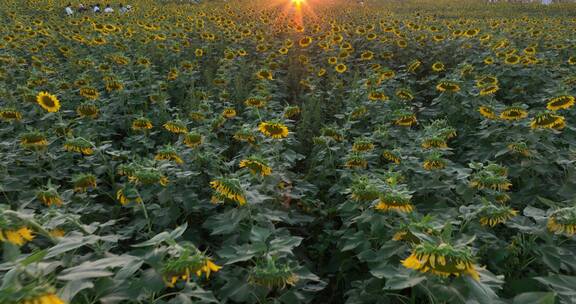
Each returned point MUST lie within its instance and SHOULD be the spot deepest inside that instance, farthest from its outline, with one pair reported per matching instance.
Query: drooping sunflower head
(88, 110)
(89, 93)
(434, 161)
(48, 102)
(148, 176)
(487, 80)
(229, 113)
(492, 215)
(10, 114)
(414, 66)
(377, 96)
(520, 148)
(168, 153)
(128, 194)
(442, 260)
(193, 139)
(41, 294)
(83, 182)
(79, 145)
(405, 94)
(492, 176)
(561, 103)
(392, 156)
(292, 112)
(34, 140)
(489, 90)
(272, 275)
(264, 75)
(395, 200)
(332, 133)
(405, 118)
(563, 221)
(436, 142)
(546, 120)
(245, 135)
(356, 160)
(362, 145)
(364, 189)
(49, 196)
(14, 233)
(255, 102)
(176, 126)
(228, 188)
(256, 165)
(185, 263)
(141, 123)
(273, 129)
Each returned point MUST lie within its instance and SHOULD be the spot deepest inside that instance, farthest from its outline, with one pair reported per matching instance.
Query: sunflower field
(279, 151)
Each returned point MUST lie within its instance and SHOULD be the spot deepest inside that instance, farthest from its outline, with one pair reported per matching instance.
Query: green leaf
(535, 298)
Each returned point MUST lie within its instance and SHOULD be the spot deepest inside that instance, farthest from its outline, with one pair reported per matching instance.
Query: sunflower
(264, 75)
(87, 110)
(405, 94)
(355, 160)
(391, 156)
(170, 154)
(16, 236)
(10, 114)
(414, 66)
(396, 201)
(563, 221)
(572, 60)
(292, 112)
(193, 140)
(435, 142)
(229, 113)
(48, 102)
(147, 176)
(492, 176)
(560, 103)
(228, 188)
(255, 102)
(363, 189)
(176, 127)
(79, 145)
(434, 164)
(489, 90)
(438, 67)
(367, 55)
(448, 86)
(377, 96)
(513, 113)
(33, 140)
(89, 93)
(49, 196)
(272, 276)
(406, 120)
(127, 195)
(273, 129)
(491, 215)
(340, 68)
(141, 123)
(305, 41)
(244, 136)
(185, 265)
(83, 182)
(512, 59)
(547, 120)
(256, 166)
(442, 260)
(519, 148)
(487, 112)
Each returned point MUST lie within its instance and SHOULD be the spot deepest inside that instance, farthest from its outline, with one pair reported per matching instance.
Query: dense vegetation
(277, 152)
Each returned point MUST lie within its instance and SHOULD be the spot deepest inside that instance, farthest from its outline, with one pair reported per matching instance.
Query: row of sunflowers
(288, 152)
